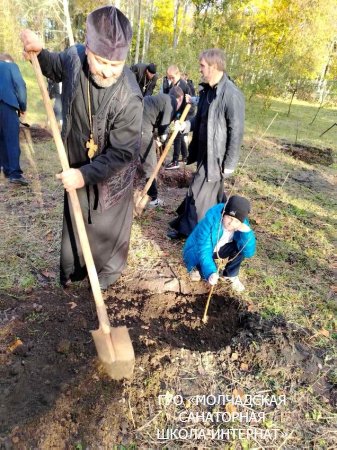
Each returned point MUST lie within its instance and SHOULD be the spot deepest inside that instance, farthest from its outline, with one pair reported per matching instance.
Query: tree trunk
(138, 31)
(292, 98)
(68, 22)
(147, 28)
(181, 28)
(175, 23)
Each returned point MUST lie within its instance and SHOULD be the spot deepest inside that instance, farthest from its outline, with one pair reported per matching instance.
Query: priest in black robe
(102, 116)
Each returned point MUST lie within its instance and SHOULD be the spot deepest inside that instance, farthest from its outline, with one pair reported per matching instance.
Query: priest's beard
(104, 82)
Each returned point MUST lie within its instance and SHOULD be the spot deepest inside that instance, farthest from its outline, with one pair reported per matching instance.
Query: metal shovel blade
(115, 352)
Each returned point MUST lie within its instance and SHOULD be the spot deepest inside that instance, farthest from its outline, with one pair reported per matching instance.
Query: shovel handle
(165, 152)
(75, 204)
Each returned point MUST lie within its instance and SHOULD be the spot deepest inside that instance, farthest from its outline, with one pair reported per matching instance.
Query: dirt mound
(178, 178)
(36, 133)
(308, 154)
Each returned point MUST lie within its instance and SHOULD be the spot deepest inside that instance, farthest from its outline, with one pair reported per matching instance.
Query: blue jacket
(12, 86)
(199, 247)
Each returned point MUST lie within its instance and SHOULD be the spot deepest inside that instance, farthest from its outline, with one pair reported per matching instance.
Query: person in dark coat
(159, 111)
(180, 143)
(190, 85)
(146, 77)
(102, 116)
(13, 102)
(55, 93)
(215, 147)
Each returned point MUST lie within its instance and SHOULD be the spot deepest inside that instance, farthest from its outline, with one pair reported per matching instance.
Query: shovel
(140, 198)
(113, 345)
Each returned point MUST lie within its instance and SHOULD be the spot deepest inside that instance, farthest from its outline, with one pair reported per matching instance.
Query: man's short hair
(176, 92)
(173, 69)
(6, 57)
(214, 57)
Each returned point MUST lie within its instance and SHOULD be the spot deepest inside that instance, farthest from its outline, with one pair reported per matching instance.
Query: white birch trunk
(68, 22)
(138, 31)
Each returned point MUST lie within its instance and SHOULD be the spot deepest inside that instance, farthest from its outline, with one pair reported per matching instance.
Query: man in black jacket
(180, 143)
(102, 115)
(159, 111)
(146, 77)
(216, 143)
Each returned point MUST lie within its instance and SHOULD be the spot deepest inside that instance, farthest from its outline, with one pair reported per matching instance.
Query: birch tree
(138, 31)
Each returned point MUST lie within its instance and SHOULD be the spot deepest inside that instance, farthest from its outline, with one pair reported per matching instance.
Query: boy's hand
(213, 279)
(244, 228)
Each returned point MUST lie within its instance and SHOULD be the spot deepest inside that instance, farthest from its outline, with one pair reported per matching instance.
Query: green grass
(35, 108)
(296, 127)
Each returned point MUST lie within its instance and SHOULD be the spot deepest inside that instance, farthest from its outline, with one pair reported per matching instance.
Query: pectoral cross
(91, 146)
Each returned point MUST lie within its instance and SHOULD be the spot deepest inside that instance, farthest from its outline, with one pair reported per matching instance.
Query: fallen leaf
(48, 274)
(234, 356)
(230, 408)
(244, 367)
(14, 345)
(238, 393)
(72, 305)
(324, 332)
(250, 307)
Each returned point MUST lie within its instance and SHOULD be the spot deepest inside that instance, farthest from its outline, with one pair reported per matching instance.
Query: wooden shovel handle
(165, 152)
(75, 204)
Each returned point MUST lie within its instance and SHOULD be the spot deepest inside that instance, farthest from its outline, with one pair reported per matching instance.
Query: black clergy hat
(238, 207)
(152, 68)
(108, 33)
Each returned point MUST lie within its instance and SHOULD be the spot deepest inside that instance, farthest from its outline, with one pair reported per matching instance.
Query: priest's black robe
(107, 204)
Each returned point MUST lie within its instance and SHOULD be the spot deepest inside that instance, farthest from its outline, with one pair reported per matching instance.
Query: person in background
(13, 103)
(55, 92)
(159, 111)
(146, 76)
(103, 108)
(224, 232)
(189, 84)
(216, 143)
(180, 143)
(166, 85)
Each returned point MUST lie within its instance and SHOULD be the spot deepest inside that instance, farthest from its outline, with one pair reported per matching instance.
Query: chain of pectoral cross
(90, 145)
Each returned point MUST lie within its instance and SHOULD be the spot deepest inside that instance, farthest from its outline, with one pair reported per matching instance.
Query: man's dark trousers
(148, 158)
(9, 141)
(230, 251)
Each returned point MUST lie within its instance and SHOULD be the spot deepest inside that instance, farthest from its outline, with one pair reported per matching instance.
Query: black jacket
(117, 129)
(159, 111)
(225, 125)
(146, 86)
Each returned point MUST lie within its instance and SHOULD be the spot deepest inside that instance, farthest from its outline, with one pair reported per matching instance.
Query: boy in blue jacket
(223, 232)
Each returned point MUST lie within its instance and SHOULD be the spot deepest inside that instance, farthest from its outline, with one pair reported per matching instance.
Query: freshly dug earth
(56, 394)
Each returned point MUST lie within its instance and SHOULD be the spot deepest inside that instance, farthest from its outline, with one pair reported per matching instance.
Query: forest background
(275, 48)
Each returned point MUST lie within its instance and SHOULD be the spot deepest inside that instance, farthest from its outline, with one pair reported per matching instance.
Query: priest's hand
(72, 179)
(31, 43)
